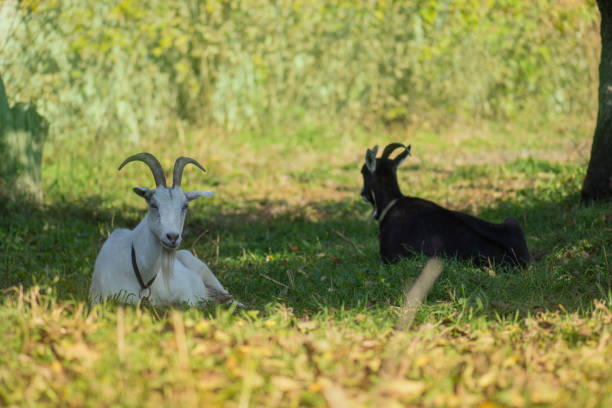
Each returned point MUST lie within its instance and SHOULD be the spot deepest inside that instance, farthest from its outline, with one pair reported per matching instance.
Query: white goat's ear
(192, 195)
(143, 192)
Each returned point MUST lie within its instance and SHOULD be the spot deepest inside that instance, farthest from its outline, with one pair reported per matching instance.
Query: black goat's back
(414, 225)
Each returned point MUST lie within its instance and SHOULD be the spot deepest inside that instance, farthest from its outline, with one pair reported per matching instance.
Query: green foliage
(123, 68)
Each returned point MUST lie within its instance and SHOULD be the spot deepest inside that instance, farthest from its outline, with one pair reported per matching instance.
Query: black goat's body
(413, 226)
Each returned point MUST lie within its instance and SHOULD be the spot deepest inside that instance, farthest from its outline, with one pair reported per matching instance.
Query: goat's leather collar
(137, 273)
(384, 212)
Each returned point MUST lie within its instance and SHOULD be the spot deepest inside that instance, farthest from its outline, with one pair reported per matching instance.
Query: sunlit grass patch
(59, 352)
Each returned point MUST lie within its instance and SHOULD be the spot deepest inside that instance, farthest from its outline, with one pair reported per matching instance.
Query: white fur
(180, 276)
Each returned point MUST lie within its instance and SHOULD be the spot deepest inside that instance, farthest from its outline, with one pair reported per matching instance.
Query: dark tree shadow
(322, 255)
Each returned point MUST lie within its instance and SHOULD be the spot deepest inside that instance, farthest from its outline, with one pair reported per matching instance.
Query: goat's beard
(167, 265)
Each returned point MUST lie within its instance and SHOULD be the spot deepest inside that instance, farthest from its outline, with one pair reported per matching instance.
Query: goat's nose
(172, 237)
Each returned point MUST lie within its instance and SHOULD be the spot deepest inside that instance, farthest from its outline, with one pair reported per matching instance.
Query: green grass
(287, 235)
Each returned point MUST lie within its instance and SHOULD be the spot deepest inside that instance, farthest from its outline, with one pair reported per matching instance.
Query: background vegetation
(126, 68)
(279, 102)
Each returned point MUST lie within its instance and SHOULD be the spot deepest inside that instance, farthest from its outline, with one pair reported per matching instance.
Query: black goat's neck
(383, 196)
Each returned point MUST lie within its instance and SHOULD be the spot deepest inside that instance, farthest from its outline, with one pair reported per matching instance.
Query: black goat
(410, 225)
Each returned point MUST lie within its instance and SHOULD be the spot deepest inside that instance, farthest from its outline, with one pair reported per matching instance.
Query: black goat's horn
(179, 165)
(153, 163)
(389, 149)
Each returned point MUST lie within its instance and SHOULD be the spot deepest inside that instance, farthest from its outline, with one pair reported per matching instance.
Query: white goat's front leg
(216, 290)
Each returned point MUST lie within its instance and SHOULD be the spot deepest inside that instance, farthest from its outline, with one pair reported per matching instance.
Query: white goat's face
(167, 205)
(167, 210)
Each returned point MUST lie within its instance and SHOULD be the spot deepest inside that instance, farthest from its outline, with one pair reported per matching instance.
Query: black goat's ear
(401, 157)
(370, 159)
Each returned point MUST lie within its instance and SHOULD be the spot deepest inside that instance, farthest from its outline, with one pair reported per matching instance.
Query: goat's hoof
(220, 297)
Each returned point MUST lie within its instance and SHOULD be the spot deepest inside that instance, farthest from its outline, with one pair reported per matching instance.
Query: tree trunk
(22, 135)
(598, 181)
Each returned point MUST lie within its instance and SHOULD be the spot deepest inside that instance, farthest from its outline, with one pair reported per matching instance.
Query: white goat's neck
(148, 249)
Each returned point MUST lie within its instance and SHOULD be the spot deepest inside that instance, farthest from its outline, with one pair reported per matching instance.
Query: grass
(288, 236)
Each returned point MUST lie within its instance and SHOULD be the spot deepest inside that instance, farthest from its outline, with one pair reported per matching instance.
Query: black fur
(413, 225)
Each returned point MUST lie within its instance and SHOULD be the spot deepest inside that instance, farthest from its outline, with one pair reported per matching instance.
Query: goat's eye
(154, 206)
(185, 207)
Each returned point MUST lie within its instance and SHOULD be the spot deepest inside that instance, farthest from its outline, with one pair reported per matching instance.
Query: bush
(125, 68)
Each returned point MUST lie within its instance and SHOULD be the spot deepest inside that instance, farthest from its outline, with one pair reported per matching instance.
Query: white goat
(129, 262)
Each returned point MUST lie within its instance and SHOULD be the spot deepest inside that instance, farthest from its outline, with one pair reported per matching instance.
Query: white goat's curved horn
(389, 149)
(154, 165)
(179, 165)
